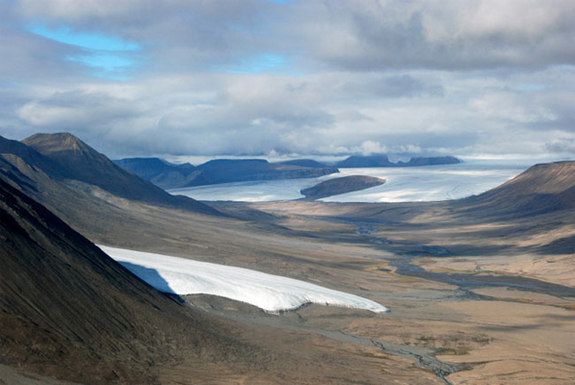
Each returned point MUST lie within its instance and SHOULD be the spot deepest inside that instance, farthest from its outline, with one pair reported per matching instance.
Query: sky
(311, 77)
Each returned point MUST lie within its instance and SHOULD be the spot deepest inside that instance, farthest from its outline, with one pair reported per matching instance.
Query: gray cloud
(391, 86)
(355, 76)
(349, 34)
(447, 34)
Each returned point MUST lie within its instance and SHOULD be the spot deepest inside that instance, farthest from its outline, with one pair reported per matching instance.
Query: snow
(406, 184)
(272, 293)
(430, 183)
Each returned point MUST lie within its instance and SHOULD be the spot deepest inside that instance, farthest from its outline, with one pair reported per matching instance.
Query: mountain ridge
(382, 160)
(542, 188)
(171, 176)
(64, 156)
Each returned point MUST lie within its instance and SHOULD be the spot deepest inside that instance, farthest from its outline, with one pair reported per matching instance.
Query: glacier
(403, 184)
(272, 293)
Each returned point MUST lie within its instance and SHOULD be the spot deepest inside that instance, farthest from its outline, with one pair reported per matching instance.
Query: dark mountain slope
(13, 150)
(78, 161)
(69, 311)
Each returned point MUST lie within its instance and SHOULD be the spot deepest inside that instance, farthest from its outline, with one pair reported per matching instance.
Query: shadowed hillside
(69, 311)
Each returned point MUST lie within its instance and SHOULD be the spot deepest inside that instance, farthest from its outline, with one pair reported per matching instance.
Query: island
(341, 185)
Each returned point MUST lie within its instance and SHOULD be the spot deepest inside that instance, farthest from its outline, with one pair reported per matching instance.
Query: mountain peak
(56, 143)
(78, 161)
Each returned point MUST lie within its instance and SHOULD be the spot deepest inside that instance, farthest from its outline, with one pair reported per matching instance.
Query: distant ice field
(272, 293)
(430, 183)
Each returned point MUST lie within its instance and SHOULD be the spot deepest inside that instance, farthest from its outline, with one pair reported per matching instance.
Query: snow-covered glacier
(272, 293)
(403, 184)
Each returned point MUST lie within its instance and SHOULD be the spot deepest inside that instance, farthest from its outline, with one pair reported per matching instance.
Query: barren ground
(513, 331)
(473, 301)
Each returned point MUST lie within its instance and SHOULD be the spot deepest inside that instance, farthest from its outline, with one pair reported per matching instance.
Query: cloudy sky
(143, 77)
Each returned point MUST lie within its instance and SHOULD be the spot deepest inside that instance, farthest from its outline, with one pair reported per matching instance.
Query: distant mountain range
(382, 160)
(170, 176)
(160, 172)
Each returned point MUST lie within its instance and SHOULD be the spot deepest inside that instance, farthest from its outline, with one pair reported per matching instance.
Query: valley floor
(486, 316)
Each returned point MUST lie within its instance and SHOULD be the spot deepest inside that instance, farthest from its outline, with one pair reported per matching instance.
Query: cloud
(108, 56)
(353, 35)
(448, 34)
(87, 40)
(140, 77)
(562, 145)
(262, 63)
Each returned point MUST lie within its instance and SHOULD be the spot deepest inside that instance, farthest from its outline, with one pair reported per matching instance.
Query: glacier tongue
(272, 293)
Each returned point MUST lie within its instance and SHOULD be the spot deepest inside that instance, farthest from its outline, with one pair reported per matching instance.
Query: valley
(465, 307)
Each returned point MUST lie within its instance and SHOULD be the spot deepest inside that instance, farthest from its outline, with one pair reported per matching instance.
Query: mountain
(341, 185)
(158, 171)
(14, 151)
(148, 168)
(429, 161)
(232, 170)
(70, 158)
(381, 160)
(540, 189)
(69, 311)
(303, 163)
(356, 161)
(168, 175)
(556, 179)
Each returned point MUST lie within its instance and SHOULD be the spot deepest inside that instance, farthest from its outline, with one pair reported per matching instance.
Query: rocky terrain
(341, 185)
